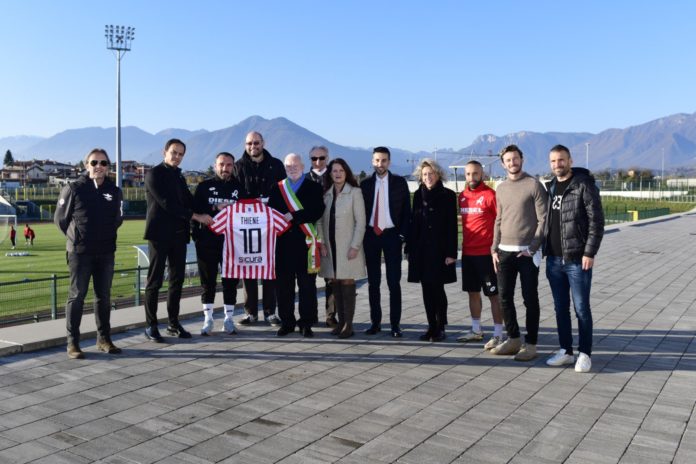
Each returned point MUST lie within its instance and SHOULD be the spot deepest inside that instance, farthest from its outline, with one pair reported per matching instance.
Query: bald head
(294, 166)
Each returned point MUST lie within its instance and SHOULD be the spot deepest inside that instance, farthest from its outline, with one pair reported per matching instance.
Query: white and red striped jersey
(250, 228)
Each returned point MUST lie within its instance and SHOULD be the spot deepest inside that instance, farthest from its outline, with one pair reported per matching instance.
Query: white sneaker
(560, 358)
(228, 326)
(492, 343)
(471, 336)
(584, 363)
(207, 328)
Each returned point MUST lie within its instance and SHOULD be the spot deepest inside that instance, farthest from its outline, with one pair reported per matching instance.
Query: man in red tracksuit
(477, 206)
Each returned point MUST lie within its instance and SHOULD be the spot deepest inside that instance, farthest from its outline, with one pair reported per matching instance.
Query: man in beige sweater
(517, 237)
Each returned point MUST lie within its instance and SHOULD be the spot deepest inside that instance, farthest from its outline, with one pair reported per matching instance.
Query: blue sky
(410, 74)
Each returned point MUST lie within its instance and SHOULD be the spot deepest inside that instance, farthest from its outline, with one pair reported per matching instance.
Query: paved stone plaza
(257, 398)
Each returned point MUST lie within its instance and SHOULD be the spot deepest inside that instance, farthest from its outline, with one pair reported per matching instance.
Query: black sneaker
(248, 320)
(152, 333)
(273, 320)
(178, 331)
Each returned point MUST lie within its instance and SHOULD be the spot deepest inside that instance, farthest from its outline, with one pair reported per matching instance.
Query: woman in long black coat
(432, 244)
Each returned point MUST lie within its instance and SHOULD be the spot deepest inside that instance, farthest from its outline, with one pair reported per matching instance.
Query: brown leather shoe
(331, 322)
(105, 345)
(74, 351)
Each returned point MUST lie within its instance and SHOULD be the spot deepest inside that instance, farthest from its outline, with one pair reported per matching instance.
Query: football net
(8, 217)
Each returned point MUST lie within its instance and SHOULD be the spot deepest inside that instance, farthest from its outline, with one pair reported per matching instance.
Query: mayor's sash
(310, 231)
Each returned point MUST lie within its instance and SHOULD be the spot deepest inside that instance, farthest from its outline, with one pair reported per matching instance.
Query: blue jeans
(566, 278)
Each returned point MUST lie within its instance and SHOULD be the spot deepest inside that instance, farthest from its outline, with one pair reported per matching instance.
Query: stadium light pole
(118, 39)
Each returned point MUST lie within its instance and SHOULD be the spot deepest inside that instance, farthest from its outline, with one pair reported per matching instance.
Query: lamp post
(587, 155)
(118, 39)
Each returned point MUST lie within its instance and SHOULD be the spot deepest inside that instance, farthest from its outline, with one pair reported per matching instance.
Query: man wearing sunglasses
(89, 212)
(319, 156)
(258, 172)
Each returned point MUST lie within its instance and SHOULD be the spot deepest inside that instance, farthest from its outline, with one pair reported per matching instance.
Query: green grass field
(26, 287)
(47, 256)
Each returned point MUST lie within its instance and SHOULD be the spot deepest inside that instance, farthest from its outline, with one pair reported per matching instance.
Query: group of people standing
(260, 218)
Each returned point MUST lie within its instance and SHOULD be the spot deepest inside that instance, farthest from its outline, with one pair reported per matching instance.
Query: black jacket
(582, 217)
(258, 179)
(89, 215)
(324, 179)
(433, 235)
(399, 201)
(291, 248)
(207, 196)
(169, 205)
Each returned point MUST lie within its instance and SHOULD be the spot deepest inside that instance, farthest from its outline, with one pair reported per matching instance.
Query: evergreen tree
(9, 159)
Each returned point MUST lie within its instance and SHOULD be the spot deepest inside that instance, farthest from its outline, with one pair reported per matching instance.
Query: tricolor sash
(310, 231)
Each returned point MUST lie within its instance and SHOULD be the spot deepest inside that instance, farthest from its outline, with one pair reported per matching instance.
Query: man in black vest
(167, 229)
(387, 208)
(89, 212)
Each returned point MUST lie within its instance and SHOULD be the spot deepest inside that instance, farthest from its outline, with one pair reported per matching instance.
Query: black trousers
(100, 269)
(251, 297)
(509, 266)
(172, 254)
(435, 302)
(209, 260)
(389, 244)
(307, 304)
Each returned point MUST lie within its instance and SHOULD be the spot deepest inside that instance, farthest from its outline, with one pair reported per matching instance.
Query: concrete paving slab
(254, 397)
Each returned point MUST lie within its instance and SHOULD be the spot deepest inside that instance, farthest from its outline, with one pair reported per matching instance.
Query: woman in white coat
(341, 229)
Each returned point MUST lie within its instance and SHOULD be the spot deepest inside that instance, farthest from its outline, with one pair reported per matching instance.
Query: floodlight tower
(118, 39)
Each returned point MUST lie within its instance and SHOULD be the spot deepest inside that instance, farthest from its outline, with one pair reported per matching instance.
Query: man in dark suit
(297, 250)
(167, 229)
(388, 208)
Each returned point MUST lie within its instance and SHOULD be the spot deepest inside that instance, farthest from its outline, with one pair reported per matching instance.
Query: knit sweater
(521, 213)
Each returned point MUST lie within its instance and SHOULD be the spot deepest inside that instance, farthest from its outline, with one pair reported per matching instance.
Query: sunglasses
(317, 158)
(100, 162)
(255, 142)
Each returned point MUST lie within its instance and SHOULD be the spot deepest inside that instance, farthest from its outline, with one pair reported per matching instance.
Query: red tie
(376, 227)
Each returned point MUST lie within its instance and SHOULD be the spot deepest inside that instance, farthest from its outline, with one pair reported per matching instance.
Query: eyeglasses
(317, 158)
(100, 162)
(255, 142)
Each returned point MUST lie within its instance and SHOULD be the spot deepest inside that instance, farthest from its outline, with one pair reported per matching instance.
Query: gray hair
(432, 164)
(95, 151)
(320, 147)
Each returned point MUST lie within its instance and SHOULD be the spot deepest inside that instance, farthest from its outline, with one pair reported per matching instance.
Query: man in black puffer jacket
(89, 212)
(258, 172)
(573, 232)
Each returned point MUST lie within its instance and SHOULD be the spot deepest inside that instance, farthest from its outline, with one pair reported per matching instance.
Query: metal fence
(36, 299)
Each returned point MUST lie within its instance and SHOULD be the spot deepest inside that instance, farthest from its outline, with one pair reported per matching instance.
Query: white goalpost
(8, 217)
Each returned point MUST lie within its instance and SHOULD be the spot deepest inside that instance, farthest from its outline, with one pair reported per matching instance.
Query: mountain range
(671, 140)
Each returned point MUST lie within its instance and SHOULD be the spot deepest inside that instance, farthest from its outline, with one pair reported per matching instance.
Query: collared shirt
(319, 173)
(385, 189)
(296, 185)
